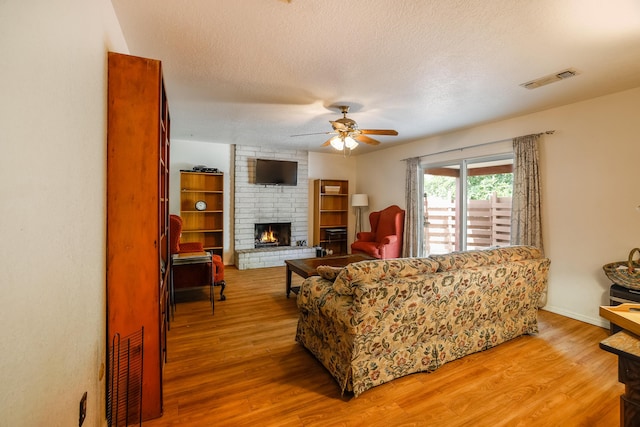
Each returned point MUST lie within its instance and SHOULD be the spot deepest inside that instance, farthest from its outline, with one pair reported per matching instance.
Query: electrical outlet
(83, 409)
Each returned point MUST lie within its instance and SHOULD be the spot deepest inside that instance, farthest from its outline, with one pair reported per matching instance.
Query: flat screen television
(276, 172)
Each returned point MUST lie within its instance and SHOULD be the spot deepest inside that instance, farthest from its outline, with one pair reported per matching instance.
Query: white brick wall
(269, 203)
(270, 257)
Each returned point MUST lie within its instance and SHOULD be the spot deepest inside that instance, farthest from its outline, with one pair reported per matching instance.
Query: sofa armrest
(366, 236)
(387, 240)
(317, 296)
(315, 292)
(309, 291)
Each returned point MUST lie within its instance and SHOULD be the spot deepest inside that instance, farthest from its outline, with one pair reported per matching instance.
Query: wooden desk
(306, 267)
(191, 258)
(627, 347)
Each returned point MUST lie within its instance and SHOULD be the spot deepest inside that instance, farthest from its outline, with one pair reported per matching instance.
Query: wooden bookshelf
(138, 215)
(331, 214)
(205, 225)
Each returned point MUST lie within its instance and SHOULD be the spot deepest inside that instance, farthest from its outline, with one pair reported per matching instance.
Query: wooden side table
(190, 258)
(627, 346)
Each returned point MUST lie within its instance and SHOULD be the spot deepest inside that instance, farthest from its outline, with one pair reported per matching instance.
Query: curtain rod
(547, 132)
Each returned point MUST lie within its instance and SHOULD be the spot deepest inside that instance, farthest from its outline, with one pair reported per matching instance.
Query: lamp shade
(359, 200)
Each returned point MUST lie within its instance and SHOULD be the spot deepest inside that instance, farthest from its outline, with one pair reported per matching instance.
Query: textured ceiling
(257, 71)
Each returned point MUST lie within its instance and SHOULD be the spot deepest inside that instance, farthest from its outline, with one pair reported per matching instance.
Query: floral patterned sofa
(373, 321)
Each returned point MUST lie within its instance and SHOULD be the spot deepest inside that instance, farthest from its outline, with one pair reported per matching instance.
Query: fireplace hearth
(272, 234)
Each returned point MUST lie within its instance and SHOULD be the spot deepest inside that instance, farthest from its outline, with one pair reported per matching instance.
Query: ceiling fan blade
(315, 133)
(328, 142)
(366, 140)
(379, 131)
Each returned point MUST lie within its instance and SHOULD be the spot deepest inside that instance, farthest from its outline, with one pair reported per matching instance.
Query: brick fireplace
(269, 204)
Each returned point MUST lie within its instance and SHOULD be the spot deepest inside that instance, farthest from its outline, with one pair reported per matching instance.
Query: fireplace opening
(272, 234)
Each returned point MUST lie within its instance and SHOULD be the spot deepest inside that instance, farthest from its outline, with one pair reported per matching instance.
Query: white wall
(52, 208)
(187, 154)
(590, 186)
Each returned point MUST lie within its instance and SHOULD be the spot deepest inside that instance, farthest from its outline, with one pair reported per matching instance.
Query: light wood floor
(242, 367)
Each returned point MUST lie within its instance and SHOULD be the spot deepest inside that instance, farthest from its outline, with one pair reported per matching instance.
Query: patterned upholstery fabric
(464, 259)
(328, 272)
(380, 320)
(380, 270)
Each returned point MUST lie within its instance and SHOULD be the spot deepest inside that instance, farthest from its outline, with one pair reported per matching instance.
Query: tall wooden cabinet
(138, 214)
(201, 209)
(331, 214)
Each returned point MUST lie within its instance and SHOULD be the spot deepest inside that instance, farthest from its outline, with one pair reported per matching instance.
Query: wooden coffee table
(307, 267)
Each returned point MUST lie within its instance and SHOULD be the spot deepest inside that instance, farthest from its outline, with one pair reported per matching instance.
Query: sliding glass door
(467, 204)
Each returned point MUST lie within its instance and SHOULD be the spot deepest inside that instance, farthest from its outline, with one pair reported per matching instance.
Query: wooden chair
(196, 274)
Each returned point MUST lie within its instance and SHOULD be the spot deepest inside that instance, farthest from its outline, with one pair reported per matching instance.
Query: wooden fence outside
(488, 224)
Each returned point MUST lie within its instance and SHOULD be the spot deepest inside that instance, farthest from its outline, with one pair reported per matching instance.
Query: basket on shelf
(624, 273)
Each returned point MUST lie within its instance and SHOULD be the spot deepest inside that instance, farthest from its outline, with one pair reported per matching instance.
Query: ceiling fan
(348, 134)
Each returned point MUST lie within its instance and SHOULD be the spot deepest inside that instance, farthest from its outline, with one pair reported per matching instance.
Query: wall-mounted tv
(276, 172)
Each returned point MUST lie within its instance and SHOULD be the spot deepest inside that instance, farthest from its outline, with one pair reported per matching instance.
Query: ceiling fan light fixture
(348, 134)
(341, 142)
(350, 143)
(337, 143)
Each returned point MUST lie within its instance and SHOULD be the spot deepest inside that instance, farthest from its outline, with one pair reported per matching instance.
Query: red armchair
(385, 238)
(195, 274)
(175, 232)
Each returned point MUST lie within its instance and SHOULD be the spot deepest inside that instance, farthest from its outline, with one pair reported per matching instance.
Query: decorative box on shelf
(332, 189)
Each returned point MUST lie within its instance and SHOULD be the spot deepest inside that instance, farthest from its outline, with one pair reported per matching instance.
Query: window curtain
(526, 221)
(412, 238)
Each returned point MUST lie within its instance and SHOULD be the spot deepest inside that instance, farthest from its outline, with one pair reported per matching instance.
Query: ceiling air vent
(551, 78)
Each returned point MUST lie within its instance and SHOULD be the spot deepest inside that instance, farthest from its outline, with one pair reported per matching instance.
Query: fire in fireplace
(272, 234)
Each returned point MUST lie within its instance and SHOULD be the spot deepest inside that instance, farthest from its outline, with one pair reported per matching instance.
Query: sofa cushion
(328, 272)
(467, 259)
(378, 270)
